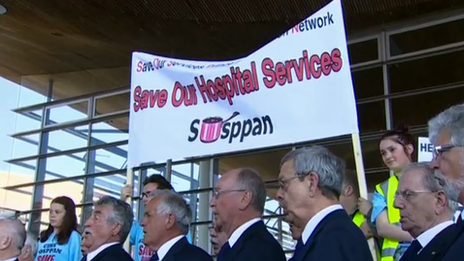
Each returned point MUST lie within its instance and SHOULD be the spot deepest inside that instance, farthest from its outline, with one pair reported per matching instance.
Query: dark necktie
(154, 257)
(412, 251)
(299, 245)
(225, 249)
(84, 258)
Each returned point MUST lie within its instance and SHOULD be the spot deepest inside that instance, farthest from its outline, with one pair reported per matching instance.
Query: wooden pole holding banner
(129, 179)
(362, 182)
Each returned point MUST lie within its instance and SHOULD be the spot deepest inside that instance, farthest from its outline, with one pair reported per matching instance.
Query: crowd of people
(413, 215)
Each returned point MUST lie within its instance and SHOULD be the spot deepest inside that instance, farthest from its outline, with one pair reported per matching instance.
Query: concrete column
(205, 177)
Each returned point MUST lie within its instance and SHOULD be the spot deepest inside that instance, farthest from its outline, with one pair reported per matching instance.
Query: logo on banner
(215, 128)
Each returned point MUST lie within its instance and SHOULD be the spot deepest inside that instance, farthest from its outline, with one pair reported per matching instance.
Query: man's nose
(212, 202)
(279, 195)
(434, 163)
(397, 203)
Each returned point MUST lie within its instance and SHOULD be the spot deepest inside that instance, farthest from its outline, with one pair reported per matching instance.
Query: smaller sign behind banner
(424, 149)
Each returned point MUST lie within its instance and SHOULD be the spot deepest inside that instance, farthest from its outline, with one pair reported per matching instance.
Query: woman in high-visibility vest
(396, 148)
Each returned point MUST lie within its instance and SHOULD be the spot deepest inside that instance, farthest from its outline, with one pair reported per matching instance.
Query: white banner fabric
(297, 88)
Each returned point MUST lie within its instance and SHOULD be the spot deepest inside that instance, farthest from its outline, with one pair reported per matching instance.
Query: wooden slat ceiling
(85, 45)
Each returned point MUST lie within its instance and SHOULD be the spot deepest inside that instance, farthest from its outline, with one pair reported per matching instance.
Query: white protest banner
(297, 88)
(425, 149)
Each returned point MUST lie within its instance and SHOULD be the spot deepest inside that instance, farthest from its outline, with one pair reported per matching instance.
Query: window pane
(112, 103)
(417, 110)
(67, 139)
(368, 83)
(371, 116)
(68, 112)
(17, 199)
(110, 131)
(111, 186)
(19, 173)
(371, 154)
(26, 146)
(28, 121)
(426, 72)
(363, 51)
(425, 38)
(65, 166)
(108, 159)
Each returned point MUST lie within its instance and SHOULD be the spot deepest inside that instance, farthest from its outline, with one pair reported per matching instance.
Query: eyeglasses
(408, 194)
(285, 181)
(438, 150)
(145, 194)
(216, 193)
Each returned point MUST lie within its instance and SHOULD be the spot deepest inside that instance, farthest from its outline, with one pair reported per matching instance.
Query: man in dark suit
(165, 223)
(107, 229)
(425, 212)
(238, 204)
(445, 133)
(310, 181)
(12, 238)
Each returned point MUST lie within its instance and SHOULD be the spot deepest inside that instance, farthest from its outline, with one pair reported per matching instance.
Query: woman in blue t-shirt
(60, 241)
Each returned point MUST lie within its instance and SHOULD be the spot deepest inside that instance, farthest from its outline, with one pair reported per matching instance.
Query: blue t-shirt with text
(50, 250)
(142, 252)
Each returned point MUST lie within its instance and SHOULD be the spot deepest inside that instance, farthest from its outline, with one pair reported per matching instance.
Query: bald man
(12, 239)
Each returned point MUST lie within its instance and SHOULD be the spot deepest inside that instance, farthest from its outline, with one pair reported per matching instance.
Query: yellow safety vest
(358, 219)
(388, 189)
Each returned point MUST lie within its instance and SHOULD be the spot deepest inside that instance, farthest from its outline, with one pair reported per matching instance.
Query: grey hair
(31, 241)
(317, 159)
(173, 203)
(432, 180)
(122, 214)
(15, 229)
(452, 120)
(248, 179)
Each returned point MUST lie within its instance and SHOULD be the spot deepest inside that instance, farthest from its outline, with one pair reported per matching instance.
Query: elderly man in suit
(165, 223)
(12, 239)
(238, 204)
(310, 181)
(29, 250)
(425, 212)
(446, 133)
(107, 229)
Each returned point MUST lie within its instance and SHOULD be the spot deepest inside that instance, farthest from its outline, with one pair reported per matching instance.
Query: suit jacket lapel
(303, 251)
(440, 244)
(256, 228)
(176, 248)
(99, 255)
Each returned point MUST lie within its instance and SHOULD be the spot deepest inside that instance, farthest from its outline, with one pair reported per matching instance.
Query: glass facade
(77, 146)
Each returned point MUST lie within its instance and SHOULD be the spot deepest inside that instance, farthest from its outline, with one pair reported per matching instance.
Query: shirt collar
(11, 259)
(429, 234)
(164, 249)
(240, 230)
(316, 219)
(97, 251)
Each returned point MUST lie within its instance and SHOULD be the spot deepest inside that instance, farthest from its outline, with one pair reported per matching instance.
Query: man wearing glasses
(425, 212)
(310, 186)
(446, 133)
(151, 184)
(237, 205)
